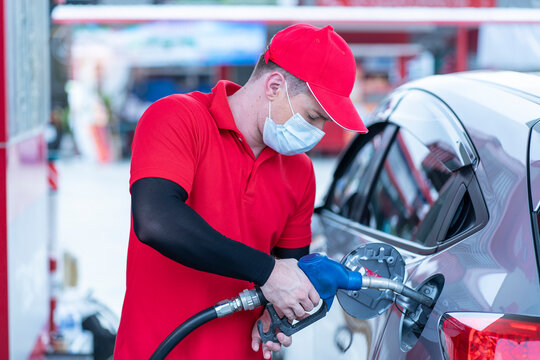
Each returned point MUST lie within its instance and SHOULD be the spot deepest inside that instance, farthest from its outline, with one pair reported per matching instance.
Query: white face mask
(296, 136)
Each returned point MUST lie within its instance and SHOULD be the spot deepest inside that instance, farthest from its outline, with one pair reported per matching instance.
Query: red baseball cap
(322, 59)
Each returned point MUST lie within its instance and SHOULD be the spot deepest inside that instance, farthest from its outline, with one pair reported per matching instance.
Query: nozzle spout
(372, 282)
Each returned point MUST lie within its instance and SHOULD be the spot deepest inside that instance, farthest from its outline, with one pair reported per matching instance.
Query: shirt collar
(219, 108)
(221, 112)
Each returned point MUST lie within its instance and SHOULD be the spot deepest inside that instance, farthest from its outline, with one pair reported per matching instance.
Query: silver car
(449, 175)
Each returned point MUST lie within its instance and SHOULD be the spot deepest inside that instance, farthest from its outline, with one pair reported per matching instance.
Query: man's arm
(163, 221)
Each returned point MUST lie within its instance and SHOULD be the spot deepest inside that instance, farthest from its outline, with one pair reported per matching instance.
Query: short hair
(295, 86)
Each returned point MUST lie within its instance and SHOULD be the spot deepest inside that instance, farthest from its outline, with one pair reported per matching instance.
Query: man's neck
(245, 106)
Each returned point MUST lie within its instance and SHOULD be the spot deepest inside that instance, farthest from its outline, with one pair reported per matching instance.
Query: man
(218, 182)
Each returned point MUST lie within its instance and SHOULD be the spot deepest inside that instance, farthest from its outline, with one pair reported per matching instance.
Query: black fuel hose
(246, 300)
(182, 331)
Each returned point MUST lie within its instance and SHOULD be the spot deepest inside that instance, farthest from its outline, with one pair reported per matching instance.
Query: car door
(410, 184)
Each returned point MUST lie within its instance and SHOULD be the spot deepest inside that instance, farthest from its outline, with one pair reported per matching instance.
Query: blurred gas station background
(76, 77)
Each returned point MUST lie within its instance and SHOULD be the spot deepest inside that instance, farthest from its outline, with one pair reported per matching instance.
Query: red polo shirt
(262, 202)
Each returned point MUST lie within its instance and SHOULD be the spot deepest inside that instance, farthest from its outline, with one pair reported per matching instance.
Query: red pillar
(3, 80)
(462, 47)
(224, 73)
(402, 62)
(4, 314)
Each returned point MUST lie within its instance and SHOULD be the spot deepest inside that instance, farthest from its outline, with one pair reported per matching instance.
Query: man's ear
(273, 84)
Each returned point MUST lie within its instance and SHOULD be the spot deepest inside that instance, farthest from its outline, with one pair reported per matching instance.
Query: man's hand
(289, 290)
(269, 346)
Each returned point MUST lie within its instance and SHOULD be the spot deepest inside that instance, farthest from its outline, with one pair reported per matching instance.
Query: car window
(437, 127)
(407, 190)
(352, 184)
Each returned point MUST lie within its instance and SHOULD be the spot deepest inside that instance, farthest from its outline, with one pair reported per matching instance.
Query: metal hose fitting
(246, 300)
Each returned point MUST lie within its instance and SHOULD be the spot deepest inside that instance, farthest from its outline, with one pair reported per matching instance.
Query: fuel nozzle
(328, 276)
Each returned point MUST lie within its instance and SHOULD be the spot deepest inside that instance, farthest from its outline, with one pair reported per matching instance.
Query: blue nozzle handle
(327, 276)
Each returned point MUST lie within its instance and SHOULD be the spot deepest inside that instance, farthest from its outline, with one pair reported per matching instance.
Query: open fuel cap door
(374, 259)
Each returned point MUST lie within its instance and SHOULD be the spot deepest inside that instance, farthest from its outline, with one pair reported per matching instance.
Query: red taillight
(484, 336)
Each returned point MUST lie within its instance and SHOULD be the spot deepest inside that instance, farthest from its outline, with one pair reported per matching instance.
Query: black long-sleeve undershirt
(163, 221)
